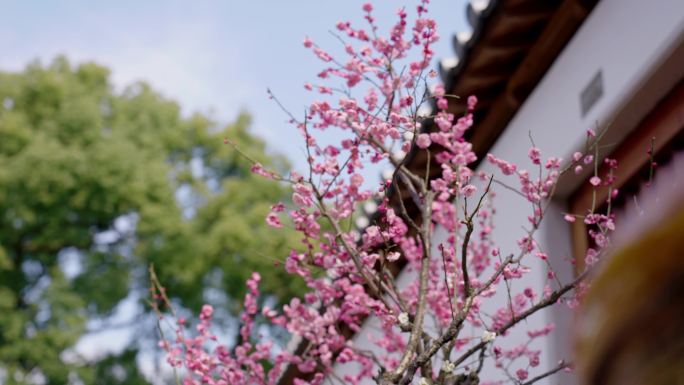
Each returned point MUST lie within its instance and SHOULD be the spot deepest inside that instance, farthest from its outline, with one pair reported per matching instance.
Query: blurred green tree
(97, 184)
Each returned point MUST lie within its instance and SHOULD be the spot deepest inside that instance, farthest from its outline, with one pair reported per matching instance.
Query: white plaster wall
(627, 40)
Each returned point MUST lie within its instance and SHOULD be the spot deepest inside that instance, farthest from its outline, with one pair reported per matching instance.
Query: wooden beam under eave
(664, 124)
(516, 26)
(487, 132)
(518, 18)
(512, 29)
(558, 31)
(661, 125)
(486, 91)
(491, 62)
(530, 5)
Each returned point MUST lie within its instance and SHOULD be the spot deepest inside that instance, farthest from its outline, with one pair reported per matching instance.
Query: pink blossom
(591, 257)
(534, 155)
(472, 101)
(439, 90)
(595, 181)
(207, 311)
(325, 90)
(521, 374)
(302, 195)
(253, 282)
(612, 163)
(442, 103)
(273, 220)
(505, 167)
(468, 190)
(553, 163)
(260, 170)
(322, 54)
(423, 141)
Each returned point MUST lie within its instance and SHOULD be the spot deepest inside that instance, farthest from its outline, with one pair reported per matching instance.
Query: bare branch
(561, 365)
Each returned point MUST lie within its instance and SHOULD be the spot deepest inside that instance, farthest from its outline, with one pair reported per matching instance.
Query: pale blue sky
(217, 56)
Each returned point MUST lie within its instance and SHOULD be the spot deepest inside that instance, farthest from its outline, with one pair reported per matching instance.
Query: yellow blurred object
(631, 323)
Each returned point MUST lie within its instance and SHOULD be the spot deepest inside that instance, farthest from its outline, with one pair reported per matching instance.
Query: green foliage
(113, 181)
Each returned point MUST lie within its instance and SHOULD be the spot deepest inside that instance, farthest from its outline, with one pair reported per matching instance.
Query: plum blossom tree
(379, 110)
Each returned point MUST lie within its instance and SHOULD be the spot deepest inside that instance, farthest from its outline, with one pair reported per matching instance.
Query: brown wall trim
(663, 123)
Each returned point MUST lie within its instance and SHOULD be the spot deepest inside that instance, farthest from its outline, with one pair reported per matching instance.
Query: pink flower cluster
(373, 97)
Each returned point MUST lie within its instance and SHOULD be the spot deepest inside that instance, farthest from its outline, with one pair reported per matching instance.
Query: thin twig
(562, 365)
